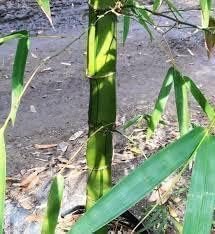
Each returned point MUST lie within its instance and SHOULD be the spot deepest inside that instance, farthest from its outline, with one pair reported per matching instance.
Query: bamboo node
(99, 169)
(101, 76)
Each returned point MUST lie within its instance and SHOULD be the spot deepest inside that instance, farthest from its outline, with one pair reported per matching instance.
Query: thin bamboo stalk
(101, 71)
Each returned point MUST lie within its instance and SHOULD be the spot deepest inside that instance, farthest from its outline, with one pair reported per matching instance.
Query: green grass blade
(200, 98)
(2, 179)
(160, 103)
(126, 26)
(18, 73)
(53, 207)
(206, 7)
(201, 197)
(139, 183)
(181, 99)
(45, 6)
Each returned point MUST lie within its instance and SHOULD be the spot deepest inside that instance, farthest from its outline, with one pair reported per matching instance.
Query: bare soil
(59, 93)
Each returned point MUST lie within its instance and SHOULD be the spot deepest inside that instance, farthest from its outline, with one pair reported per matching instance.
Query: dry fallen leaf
(27, 180)
(33, 183)
(44, 146)
(76, 135)
(34, 218)
(26, 203)
(172, 212)
(63, 147)
(162, 194)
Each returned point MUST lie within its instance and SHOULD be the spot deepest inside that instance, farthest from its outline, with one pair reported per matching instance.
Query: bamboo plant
(101, 72)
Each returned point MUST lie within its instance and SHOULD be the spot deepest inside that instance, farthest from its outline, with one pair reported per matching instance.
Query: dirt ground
(59, 93)
(56, 104)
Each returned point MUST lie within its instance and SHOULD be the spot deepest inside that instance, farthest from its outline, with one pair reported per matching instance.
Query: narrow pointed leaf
(15, 35)
(172, 7)
(200, 98)
(45, 6)
(210, 36)
(139, 183)
(18, 73)
(132, 121)
(143, 13)
(181, 99)
(201, 196)
(156, 4)
(53, 208)
(143, 18)
(160, 104)
(2, 178)
(126, 26)
(206, 7)
(145, 25)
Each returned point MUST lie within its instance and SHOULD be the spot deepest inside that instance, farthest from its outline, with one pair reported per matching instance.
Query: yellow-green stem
(101, 71)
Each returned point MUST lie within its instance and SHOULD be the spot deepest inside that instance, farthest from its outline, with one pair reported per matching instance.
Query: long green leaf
(206, 7)
(200, 98)
(2, 179)
(156, 4)
(181, 99)
(133, 121)
(45, 6)
(18, 73)
(139, 183)
(126, 26)
(160, 103)
(201, 197)
(53, 207)
(143, 17)
(172, 7)
(210, 36)
(15, 35)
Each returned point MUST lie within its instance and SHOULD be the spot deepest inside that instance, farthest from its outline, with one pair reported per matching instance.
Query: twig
(176, 20)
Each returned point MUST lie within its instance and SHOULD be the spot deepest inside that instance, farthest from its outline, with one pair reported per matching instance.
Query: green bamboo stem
(101, 71)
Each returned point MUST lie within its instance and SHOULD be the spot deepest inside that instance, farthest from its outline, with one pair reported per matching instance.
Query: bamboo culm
(101, 71)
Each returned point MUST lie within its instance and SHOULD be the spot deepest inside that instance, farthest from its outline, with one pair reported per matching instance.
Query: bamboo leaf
(200, 98)
(210, 36)
(139, 183)
(45, 6)
(144, 14)
(133, 121)
(172, 7)
(181, 99)
(160, 103)
(206, 7)
(2, 178)
(126, 26)
(53, 207)
(157, 4)
(15, 35)
(18, 73)
(201, 196)
(145, 25)
(143, 17)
